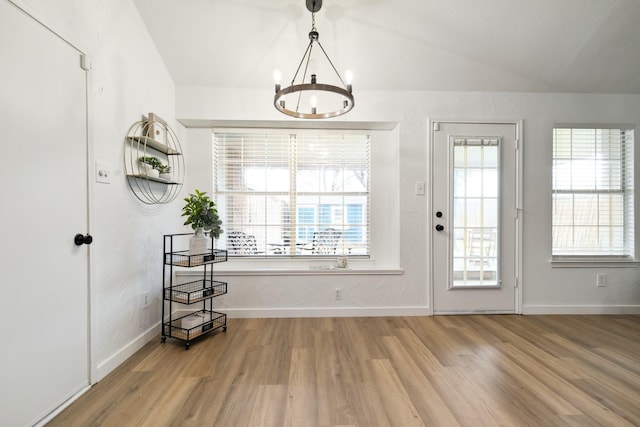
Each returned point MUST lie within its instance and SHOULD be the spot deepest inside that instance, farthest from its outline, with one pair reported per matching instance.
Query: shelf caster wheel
(186, 345)
(163, 340)
(224, 329)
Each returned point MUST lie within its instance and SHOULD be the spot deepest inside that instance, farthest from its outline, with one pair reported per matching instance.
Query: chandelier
(313, 100)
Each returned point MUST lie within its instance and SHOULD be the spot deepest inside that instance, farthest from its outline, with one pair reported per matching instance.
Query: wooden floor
(399, 371)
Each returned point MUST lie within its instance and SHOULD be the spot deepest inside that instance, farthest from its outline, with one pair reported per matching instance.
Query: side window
(593, 194)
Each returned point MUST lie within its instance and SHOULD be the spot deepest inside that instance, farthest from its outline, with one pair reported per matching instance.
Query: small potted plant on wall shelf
(165, 171)
(150, 166)
(202, 215)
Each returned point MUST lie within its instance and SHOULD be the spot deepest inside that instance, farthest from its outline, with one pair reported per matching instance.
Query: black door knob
(80, 239)
(439, 227)
(439, 214)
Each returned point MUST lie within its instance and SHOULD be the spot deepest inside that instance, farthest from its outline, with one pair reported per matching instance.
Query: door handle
(439, 227)
(80, 240)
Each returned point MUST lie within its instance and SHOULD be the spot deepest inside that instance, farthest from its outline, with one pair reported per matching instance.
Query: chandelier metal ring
(350, 102)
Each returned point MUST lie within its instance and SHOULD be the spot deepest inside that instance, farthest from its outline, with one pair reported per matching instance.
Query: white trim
(581, 309)
(588, 125)
(291, 312)
(285, 124)
(469, 313)
(432, 127)
(592, 263)
(119, 357)
(311, 271)
(93, 323)
(53, 27)
(51, 415)
(519, 282)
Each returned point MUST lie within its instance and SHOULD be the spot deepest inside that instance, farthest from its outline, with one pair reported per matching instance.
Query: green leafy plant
(163, 168)
(201, 211)
(154, 162)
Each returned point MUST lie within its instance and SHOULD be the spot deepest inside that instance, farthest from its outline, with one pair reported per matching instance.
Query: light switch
(103, 173)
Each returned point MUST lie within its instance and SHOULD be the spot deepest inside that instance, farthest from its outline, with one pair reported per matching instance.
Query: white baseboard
(44, 421)
(414, 311)
(105, 367)
(581, 309)
(244, 313)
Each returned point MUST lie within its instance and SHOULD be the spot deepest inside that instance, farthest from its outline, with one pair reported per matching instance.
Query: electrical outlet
(601, 280)
(145, 299)
(338, 294)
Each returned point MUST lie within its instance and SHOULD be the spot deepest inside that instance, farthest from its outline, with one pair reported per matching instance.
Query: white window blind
(293, 194)
(593, 194)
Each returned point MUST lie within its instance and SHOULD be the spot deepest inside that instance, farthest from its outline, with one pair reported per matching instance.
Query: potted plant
(202, 215)
(165, 171)
(150, 165)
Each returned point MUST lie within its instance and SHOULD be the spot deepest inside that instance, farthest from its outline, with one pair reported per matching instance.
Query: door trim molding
(48, 23)
(432, 126)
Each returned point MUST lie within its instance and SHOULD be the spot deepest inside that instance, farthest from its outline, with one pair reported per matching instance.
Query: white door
(44, 307)
(474, 187)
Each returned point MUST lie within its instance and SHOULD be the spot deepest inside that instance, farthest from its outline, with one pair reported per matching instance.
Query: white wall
(545, 289)
(127, 79)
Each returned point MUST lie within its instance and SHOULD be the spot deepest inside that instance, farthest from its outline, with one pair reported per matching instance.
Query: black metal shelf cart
(201, 291)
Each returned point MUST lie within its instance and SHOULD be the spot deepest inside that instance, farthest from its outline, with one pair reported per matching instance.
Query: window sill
(308, 272)
(249, 268)
(593, 263)
(299, 267)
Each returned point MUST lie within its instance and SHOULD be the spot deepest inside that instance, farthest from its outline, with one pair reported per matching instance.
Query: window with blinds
(293, 194)
(593, 194)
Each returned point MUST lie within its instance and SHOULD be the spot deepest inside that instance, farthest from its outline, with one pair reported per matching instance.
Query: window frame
(293, 193)
(601, 260)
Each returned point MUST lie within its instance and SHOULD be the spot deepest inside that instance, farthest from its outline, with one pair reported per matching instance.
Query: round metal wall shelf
(151, 146)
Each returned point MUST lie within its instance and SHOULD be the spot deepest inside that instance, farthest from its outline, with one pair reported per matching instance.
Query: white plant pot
(198, 246)
(149, 171)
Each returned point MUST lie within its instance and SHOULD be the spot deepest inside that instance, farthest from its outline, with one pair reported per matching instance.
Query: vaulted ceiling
(585, 46)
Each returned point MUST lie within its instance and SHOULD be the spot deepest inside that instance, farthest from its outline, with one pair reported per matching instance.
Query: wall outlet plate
(103, 173)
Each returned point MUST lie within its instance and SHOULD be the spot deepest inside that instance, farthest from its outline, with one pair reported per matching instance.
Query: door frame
(432, 124)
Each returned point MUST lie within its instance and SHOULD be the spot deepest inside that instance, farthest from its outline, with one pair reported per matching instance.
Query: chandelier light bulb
(348, 76)
(313, 100)
(277, 77)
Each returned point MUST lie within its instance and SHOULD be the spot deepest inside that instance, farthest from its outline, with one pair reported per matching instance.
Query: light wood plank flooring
(399, 371)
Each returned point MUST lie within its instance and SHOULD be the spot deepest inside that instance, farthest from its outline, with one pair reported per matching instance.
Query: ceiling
(584, 46)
